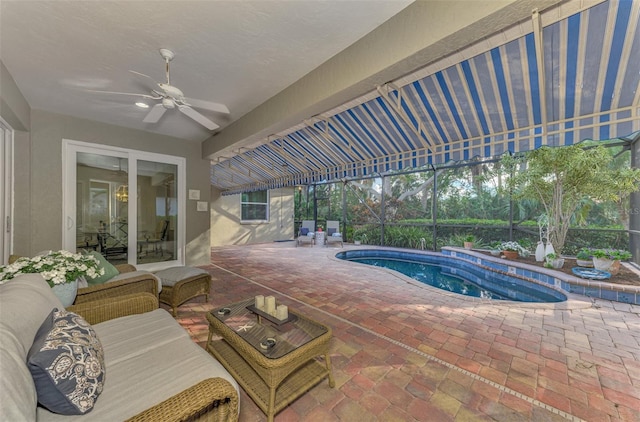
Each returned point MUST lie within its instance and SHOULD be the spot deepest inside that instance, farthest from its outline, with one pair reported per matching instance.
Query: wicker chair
(139, 282)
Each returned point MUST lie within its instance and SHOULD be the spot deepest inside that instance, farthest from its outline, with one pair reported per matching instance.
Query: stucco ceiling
(239, 53)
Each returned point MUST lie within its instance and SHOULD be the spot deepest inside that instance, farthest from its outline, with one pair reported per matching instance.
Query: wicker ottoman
(180, 284)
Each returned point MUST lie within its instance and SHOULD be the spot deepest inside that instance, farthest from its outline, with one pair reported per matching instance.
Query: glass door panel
(157, 214)
(102, 205)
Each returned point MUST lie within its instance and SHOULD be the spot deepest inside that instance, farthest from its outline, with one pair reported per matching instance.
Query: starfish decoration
(245, 327)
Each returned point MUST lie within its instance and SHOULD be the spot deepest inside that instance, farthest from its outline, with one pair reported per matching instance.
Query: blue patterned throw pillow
(66, 362)
(304, 231)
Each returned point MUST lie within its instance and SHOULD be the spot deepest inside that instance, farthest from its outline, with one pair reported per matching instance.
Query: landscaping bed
(624, 276)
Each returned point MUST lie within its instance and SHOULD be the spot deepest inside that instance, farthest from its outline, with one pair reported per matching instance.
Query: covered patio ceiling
(555, 79)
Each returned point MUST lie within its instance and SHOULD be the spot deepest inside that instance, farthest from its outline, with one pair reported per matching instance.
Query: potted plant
(609, 259)
(511, 250)
(584, 258)
(360, 238)
(553, 261)
(61, 269)
(468, 241)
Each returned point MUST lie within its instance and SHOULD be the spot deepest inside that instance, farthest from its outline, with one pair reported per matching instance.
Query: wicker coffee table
(272, 375)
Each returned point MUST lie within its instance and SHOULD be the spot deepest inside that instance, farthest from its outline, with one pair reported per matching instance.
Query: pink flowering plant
(56, 267)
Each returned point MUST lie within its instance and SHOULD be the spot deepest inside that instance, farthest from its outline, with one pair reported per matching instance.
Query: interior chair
(306, 233)
(333, 233)
(157, 238)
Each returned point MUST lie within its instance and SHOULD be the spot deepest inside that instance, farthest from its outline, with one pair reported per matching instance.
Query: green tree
(561, 178)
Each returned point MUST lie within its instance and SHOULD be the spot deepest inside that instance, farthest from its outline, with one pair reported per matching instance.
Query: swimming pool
(454, 275)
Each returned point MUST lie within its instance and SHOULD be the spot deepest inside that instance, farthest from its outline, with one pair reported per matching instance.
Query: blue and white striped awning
(575, 78)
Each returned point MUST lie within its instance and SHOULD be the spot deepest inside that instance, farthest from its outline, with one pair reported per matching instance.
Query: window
(255, 206)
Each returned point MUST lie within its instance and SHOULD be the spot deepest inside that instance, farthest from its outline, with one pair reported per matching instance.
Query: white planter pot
(606, 264)
(66, 292)
(549, 249)
(540, 252)
(584, 263)
(557, 263)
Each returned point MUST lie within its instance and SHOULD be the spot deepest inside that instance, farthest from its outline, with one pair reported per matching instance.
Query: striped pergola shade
(555, 80)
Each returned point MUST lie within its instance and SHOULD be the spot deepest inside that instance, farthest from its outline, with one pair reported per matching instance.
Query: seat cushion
(131, 274)
(67, 364)
(171, 276)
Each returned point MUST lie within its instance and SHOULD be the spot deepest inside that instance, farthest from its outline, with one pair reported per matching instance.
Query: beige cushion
(17, 331)
(159, 349)
(170, 276)
(130, 274)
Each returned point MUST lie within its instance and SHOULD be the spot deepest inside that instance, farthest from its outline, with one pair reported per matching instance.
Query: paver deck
(404, 351)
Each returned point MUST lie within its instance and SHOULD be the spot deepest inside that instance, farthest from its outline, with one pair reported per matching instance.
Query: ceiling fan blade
(155, 114)
(144, 76)
(198, 117)
(207, 105)
(131, 94)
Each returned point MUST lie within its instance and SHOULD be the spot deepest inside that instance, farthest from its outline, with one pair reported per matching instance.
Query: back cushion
(109, 270)
(67, 364)
(25, 302)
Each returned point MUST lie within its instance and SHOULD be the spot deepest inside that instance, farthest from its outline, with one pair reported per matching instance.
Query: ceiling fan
(171, 97)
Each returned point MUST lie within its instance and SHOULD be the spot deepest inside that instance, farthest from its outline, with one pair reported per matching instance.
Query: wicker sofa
(153, 370)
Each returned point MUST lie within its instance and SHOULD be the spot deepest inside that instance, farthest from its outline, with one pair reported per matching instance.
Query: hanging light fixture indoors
(122, 193)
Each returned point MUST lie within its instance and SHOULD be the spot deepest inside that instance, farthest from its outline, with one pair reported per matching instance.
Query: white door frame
(70, 148)
(6, 191)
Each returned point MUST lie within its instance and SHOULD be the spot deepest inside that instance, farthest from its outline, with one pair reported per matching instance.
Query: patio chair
(333, 233)
(307, 232)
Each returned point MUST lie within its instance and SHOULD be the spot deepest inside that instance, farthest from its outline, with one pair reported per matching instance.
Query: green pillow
(109, 270)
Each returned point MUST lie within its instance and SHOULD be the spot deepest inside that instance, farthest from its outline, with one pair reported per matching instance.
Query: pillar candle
(260, 302)
(282, 312)
(270, 304)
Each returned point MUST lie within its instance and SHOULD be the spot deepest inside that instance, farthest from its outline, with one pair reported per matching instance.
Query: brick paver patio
(404, 351)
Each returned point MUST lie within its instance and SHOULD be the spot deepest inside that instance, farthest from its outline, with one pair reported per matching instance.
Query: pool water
(433, 276)
(448, 274)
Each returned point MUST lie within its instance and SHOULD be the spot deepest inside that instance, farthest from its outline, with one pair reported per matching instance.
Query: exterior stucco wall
(226, 228)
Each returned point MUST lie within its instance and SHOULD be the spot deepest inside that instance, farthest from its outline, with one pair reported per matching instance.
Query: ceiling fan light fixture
(142, 105)
(168, 103)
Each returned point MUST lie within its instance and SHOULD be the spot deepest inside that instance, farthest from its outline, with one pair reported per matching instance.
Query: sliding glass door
(127, 205)
(6, 190)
